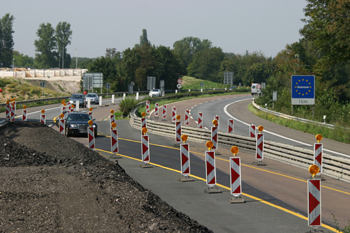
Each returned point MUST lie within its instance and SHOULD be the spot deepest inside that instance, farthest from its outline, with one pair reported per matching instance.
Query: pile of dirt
(50, 183)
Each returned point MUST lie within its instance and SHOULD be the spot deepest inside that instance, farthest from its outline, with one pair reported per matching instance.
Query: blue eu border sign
(303, 90)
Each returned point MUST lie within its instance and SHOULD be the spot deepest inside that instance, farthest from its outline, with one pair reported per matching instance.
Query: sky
(265, 26)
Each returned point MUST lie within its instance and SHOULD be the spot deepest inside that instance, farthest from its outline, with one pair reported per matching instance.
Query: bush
(127, 105)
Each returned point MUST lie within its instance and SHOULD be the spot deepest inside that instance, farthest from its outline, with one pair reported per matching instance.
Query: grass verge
(338, 133)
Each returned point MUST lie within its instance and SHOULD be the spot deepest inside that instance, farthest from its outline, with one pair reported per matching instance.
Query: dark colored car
(77, 123)
(78, 97)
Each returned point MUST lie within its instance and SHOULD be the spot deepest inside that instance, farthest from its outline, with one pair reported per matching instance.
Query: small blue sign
(303, 90)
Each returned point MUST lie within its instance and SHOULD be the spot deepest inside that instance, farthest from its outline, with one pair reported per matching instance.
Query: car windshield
(90, 95)
(77, 97)
(155, 90)
(78, 117)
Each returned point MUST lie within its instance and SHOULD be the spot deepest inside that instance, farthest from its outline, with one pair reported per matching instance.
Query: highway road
(275, 196)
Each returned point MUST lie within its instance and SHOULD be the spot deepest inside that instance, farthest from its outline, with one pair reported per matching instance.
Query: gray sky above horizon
(265, 26)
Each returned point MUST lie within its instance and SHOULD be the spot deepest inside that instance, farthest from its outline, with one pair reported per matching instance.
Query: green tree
(63, 35)
(45, 47)
(6, 40)
(327, 25)
(206, 64)
(143, 38)
(106, 66)
(22, 60)
(187, 47)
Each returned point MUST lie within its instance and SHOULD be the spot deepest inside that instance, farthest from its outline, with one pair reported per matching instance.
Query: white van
(255, 89)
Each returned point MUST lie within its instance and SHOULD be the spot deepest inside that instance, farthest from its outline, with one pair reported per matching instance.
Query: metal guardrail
(290, 117)
(334, 166)
(37, 100)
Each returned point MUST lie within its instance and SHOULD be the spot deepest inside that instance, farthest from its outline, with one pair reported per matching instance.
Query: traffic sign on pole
(303, 90)
(178, 86)
(179, 81)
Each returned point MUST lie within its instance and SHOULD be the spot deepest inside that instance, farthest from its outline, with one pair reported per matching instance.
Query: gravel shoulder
(50, 183)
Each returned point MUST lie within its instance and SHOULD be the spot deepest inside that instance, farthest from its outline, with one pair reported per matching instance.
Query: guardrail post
(100, 100)
(112, 99)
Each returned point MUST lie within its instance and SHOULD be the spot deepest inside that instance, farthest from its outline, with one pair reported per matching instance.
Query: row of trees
(6, 40)
(323, 52)
(50, 47)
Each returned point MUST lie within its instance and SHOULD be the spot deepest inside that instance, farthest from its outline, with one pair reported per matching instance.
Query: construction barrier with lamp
(173, 114)
(62, 124)
(200, 120)
(210, 169)
(314, 199)
(145, 152)
(42, 116)
(185, 160)
(259, 154)
(235, 177)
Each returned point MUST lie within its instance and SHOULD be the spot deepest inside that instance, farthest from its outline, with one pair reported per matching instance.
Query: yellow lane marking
(228, 188)
(275, 173)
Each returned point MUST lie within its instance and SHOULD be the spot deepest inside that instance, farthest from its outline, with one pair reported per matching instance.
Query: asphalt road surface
(275, 196)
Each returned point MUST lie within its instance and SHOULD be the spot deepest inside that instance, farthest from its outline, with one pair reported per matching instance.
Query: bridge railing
(334, 166)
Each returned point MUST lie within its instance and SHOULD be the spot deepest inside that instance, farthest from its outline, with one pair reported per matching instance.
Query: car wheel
(95, 133)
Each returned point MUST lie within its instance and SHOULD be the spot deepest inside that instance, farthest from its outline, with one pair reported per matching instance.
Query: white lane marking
(278, 135)
(191, 117)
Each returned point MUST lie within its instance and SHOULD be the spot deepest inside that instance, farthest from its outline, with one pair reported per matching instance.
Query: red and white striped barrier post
(63, 106)
(216, 117)
(156, 110)
(185, 160)
(145, 154)
(252, 131)
(90, 113)
(200, 120)
(173, 114)
(114, 141)
(214, 135)
(230, 126)
(69, 107)
(13, 111)
(65, 109)
(91, 135)
(14, 104)
(178, 130)
(318, 154)
(8, 109)
(164, 113)
(314, 199)
(143, 121)
(187, 117)
(210, 169)
(259, 155)
(62, 124)
(72, 107)
(235, 177)
(111, 118)
(42, 116)
(24, 113)
(147, 107)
